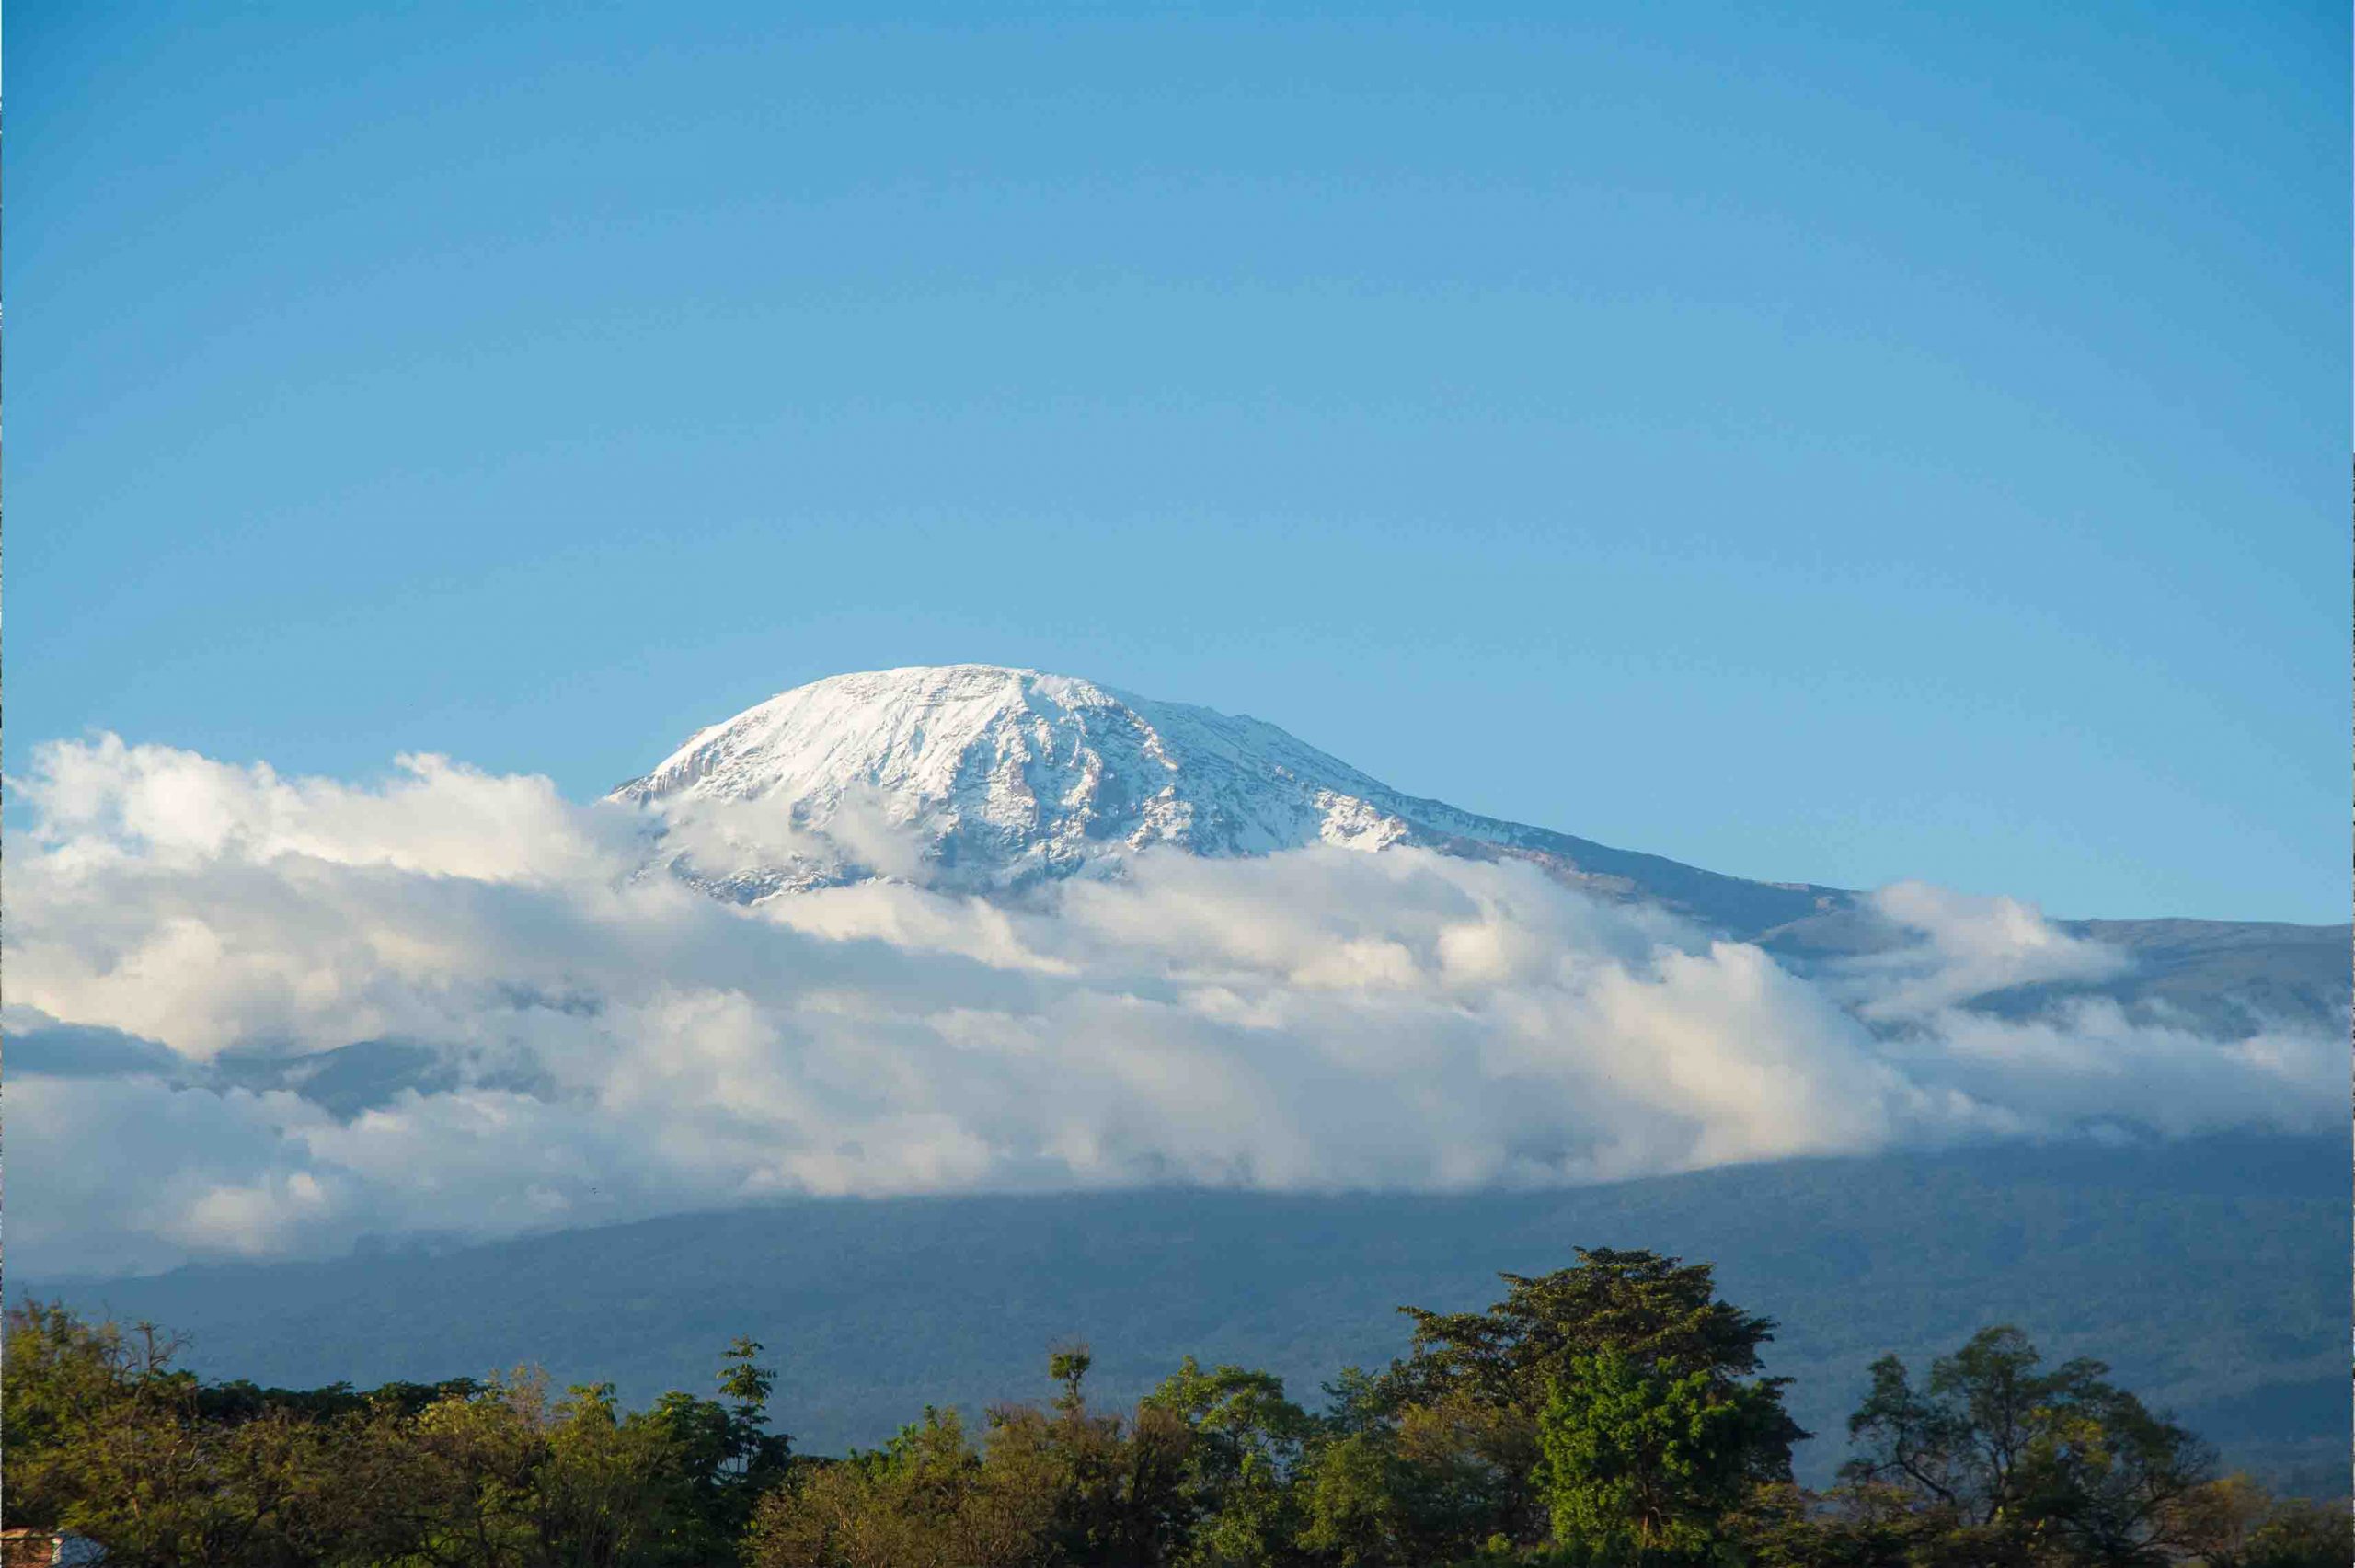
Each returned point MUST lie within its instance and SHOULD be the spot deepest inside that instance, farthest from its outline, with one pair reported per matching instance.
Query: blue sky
(1843, 446)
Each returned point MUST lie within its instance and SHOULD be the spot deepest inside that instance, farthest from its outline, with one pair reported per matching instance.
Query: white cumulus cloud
(202, 957)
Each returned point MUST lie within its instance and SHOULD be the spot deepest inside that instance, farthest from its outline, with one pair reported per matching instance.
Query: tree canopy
(1615, 1412)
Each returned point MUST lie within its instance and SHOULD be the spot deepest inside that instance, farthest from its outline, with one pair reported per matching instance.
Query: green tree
(1462, 1411)
(1413, 1483)
(1236, 1501)
(612, 1490)
(105, 1436)
(1063, 1485)
(2067, 1465)
(1069, 1366)
(2235, 1523)
(725, 1450)
(2297, 1535)
(915, 1502)
(1359, 1503)
(1641, 1305)
(1125, 1495)
(1645, 1461)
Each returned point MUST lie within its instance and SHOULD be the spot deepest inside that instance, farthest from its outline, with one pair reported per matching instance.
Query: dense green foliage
(105, 1437)
(2065, 1455)
(1652, 1458)
(1610, 1413)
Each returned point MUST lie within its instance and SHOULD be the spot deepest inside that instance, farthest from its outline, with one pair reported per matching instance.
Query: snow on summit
(983, 778)
(1001, 776)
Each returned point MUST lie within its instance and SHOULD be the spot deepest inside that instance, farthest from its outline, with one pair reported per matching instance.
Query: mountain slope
(985, 778)
(995, 778)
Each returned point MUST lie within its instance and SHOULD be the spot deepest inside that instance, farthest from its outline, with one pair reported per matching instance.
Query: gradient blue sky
(1858, 445)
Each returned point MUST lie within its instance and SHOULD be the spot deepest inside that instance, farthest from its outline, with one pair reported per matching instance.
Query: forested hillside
(2210, 1273)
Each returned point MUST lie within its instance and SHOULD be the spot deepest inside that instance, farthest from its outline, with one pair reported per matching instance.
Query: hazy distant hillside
(2219, 976)
(2211, 1273)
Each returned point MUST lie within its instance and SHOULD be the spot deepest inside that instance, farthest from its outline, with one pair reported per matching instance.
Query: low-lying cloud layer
(252, 1016)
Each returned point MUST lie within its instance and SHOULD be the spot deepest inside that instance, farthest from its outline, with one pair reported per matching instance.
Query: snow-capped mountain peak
(1006, 775)
(988, 779)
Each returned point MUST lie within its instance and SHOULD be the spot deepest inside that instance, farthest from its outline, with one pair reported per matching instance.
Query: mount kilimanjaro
(983, 779)
(1001, 778)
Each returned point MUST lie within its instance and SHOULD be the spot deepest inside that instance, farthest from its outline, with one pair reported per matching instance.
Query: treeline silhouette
(1611, 1412)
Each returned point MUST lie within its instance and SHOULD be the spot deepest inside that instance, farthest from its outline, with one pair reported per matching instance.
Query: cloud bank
(254, 1016)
